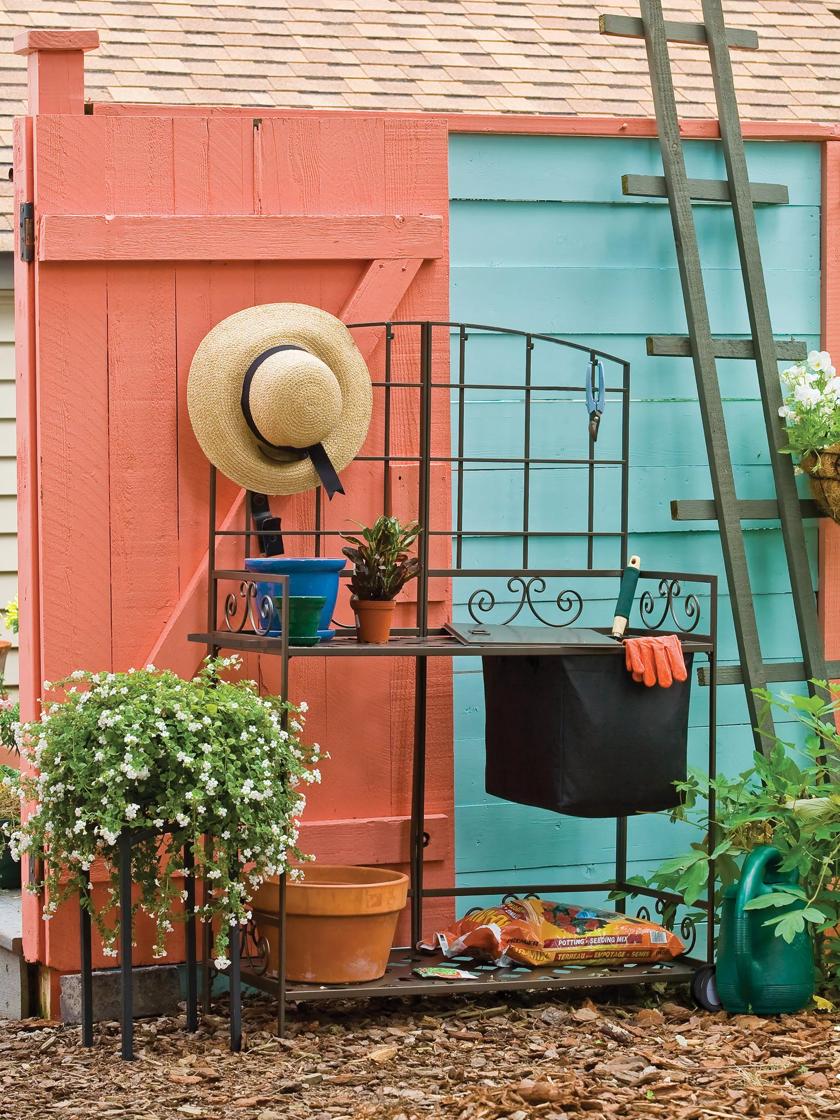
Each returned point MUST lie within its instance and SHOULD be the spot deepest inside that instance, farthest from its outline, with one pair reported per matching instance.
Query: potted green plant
(9, 821)
(170, 760)
(381, 568)
(812, 413)
(786, 799)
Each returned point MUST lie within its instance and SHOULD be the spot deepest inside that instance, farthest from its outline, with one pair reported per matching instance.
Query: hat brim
(214, 393)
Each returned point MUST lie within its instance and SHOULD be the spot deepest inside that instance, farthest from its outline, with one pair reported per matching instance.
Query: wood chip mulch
(533, 1057)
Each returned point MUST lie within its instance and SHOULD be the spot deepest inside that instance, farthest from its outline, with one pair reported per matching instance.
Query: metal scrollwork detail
(665, 914)
(669, 603)
(688, 933)
(568, 602)
(237, 606)
(254, 948)
(246, 606)
(261, 612)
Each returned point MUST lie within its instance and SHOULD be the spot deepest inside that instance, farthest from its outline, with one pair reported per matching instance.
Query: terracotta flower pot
(340, 922)
(373, 619)
(823, 472)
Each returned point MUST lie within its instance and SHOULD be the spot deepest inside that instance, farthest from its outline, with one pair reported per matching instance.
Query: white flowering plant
(812, 404)
(173, 761)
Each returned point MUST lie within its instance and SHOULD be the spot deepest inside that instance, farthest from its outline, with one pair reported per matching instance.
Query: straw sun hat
(280, 398)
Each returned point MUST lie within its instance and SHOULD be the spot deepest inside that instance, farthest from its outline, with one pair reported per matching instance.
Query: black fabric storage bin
(578, 735)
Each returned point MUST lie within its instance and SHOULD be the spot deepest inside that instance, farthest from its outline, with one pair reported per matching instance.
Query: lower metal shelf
(399, 979)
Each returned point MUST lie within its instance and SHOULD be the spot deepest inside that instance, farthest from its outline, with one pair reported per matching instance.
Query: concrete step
(15, 987)
(157, 991)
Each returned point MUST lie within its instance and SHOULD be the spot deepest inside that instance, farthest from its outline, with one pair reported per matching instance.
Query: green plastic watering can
(756, 970)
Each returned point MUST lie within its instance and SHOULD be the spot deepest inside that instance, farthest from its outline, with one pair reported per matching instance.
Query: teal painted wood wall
(542, 239)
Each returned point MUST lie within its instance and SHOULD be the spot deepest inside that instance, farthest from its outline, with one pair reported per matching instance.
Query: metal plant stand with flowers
(812, 413)
(167, 781)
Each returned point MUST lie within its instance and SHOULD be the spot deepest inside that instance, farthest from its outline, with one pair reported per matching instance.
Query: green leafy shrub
(786, 800)
(148, 750)
(381, 564)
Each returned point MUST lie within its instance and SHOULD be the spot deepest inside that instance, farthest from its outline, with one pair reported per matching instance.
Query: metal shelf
(400, 981)
(438, 643)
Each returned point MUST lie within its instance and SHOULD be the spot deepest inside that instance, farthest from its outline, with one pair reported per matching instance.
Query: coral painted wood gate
(148, 229)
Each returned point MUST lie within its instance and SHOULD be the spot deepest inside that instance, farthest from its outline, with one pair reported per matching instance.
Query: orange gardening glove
(638, 657)
(655, 659)
(676, 661)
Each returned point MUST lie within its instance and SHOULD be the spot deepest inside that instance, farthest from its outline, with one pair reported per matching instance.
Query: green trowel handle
(626, 595)
(753, 880)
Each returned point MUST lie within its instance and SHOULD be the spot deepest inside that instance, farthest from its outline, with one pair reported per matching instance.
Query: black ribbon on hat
(317, 452)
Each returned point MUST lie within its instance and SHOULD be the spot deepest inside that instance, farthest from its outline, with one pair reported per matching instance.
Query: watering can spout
(756, 970)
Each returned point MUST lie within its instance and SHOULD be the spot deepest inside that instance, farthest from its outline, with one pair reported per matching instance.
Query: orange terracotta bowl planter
(340, 922)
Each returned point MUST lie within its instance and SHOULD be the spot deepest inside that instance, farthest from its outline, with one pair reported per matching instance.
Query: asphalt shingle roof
(441, 56)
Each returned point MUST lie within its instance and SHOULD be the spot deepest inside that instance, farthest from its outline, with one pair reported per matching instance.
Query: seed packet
(443, 972)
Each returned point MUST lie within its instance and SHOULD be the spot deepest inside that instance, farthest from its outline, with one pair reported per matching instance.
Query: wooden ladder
(705, 350)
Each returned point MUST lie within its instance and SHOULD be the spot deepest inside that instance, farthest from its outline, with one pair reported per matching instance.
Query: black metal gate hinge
(26, 230)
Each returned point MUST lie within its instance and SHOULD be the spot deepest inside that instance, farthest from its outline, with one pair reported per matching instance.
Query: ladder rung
(679, 346)
(776, 672)
(703, 190)
(750, 510)
(631, 27)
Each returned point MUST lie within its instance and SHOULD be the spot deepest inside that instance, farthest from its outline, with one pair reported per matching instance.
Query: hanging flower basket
(812, 414)
(823, 470)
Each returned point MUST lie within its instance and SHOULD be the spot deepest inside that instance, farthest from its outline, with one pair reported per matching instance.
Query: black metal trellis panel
(705, 349)
(421, 390)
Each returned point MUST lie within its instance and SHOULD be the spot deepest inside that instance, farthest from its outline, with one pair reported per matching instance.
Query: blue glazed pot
(308, 575)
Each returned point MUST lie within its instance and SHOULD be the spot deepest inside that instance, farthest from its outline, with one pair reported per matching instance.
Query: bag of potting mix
(536, 932)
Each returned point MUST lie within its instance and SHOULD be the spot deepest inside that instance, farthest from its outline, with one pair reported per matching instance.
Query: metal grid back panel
(504, 412)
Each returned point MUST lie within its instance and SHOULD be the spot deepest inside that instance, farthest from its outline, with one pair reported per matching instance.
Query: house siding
(542, 239)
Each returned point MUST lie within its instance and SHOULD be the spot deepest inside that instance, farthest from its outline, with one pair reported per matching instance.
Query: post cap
(45, 39)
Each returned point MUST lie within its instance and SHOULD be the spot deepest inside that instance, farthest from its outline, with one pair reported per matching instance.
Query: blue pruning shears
(596, 397)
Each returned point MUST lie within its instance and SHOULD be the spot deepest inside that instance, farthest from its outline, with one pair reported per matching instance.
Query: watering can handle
(753, 874)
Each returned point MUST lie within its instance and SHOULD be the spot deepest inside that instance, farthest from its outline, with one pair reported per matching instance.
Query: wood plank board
(237, 237)
(776, 672)
(679, 346)
(632, 27)
(749, 510)
(703, 190)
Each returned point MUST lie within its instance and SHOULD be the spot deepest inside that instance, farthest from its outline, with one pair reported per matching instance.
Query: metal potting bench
(416, 366)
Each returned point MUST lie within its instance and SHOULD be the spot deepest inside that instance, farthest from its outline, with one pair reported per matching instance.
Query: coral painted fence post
(148, 229)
